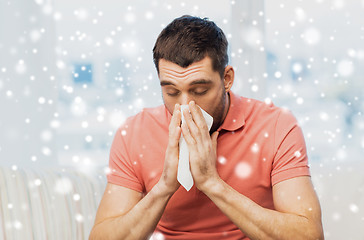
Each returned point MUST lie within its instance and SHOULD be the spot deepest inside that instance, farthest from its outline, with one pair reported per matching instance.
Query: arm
(297, 214)
(121, 209)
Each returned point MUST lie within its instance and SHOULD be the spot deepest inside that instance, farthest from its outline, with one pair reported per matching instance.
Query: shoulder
(147, 118)
(263, 110)
(264, 114)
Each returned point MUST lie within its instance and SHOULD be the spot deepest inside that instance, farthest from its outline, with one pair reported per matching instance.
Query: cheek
(210, 108)
(169, 104)
(211, 105)
(217, 106)
(170, 108)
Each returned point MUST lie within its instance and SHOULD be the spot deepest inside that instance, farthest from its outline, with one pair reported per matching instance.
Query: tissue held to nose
(184, 175)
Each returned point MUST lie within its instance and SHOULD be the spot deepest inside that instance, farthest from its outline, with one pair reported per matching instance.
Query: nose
(185, 99)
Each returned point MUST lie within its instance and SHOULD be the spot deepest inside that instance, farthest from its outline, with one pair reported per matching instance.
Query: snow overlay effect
(71, 72)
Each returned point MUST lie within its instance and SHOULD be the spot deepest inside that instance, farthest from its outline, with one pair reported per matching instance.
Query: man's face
(198, 82)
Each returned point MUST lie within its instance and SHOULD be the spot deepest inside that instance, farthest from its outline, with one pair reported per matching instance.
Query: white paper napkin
(184, 175)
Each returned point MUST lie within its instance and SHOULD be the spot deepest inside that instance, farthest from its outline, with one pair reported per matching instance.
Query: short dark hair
(189, 39)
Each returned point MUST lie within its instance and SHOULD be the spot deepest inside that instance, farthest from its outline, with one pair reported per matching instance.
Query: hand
(168, 182)
(202, 147)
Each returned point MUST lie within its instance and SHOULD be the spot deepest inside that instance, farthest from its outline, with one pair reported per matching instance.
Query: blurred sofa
(340, 188)
(49, 203)
(61, 203)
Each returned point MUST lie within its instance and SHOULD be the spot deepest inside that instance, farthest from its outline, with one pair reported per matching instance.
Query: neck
(227, 106)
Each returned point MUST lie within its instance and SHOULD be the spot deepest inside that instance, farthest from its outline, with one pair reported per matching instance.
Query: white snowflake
(277, 74)
(88, 138)
(46, 135)
(21, 67)
(33, 158)
(46, 151)
(354, 208)
(130, 17)
(76, 197)
(255, 88)
(299, 100)
(63, 186)
(149, 15)
(79, 217)
(84, 124)
(300, 14)
(17, 225)
(312, 36)
(243, 170)
(221, 160)
(37, 182)
(157, 236)
(81, 14)
(255, 148)
(297, 154)
(109, 41)
(345, 68)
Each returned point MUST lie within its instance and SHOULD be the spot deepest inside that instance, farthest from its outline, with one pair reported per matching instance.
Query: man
(250, 171)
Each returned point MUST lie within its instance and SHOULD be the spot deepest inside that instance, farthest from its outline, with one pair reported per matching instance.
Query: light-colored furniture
(340, 187)
(61, 203)
(50, 203)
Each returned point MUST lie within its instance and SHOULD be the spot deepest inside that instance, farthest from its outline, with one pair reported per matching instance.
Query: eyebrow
(200, 81)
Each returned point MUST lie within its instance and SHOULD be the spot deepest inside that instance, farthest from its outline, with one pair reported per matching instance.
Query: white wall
(26, 76)
(248, 48)
(327, 36)
(115, 37)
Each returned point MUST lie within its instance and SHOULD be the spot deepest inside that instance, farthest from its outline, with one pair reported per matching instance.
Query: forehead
(203, 68)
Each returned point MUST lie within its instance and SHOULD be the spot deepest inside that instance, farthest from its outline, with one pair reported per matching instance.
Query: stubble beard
(218, 113)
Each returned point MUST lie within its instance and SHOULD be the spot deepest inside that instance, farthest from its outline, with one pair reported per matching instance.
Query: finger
(191, 142)
(176, 119)
(214, 137)
(193, 129)
(174, 128)
(173, 142)
(199, 119)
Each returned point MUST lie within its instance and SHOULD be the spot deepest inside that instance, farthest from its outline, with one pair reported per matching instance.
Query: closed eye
(201, 93)
(195, 91)
(173, 94)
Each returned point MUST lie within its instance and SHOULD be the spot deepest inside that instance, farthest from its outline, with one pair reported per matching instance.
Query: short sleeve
(121, 168)
(290, 158)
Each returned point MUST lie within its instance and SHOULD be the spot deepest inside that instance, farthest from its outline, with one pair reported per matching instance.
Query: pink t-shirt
(258, 146)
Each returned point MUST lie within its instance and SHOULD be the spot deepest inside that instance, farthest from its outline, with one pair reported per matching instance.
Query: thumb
(214, 139)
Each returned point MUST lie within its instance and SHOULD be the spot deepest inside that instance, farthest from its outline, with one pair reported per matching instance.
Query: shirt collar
(235, 118)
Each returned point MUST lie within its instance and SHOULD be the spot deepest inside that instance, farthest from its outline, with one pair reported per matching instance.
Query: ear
(228, 77)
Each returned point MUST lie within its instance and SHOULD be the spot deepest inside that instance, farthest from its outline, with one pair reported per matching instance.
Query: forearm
(258, 222)
(138, 223)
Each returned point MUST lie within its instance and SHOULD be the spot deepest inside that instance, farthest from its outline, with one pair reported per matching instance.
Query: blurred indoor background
(72, 71)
